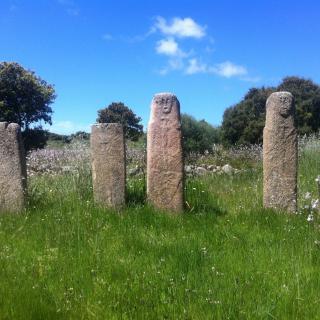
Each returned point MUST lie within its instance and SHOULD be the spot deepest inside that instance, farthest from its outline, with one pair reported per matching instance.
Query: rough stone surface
(227, 169)
(108, 164)
(135, 171)
(164, 154)
(201, 171)
(188, 169)
(280, 153)
(13, 173)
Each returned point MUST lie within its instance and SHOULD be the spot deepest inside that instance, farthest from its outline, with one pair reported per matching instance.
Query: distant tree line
(25, 99)
(243, 123)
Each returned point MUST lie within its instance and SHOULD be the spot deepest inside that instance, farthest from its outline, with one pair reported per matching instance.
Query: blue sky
(207, 52)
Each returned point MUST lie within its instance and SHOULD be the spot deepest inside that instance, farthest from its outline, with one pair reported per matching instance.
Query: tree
(243, 123)
(307, 98)
(117, 112)
(80, 135)
(198, 136)
(25, 99)
(35, 138)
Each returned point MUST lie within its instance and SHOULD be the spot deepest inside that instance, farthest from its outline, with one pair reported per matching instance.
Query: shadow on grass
(136, 192)
(197, 198)
(59, 191)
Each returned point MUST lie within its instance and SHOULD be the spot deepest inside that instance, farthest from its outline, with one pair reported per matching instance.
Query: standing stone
(13, 173)
(280, 153)
(108, 164)
(164, 154)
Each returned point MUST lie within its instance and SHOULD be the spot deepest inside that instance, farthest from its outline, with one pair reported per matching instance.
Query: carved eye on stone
(159, 101)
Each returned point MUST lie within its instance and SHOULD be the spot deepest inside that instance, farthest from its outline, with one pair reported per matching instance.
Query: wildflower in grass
(307, 195)
(310, 217)
(204, 250)
(285, 287)
(315, 204)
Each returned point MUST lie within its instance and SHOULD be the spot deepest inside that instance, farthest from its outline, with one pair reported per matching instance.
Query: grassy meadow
(225, 258)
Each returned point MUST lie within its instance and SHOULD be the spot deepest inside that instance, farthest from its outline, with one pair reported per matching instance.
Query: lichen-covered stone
(12, 169)
(164, 154)
(280, 153)
(108, 164)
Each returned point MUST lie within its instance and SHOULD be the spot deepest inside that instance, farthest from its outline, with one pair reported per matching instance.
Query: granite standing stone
(164, 154)
(280, 153)
(108, 164)
(13, 173)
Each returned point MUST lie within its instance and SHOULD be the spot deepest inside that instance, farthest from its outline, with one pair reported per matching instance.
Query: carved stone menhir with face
(280, 153)
(164, 156)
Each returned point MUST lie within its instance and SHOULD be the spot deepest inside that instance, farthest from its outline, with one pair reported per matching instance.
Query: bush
(35, 138)
(198, 136)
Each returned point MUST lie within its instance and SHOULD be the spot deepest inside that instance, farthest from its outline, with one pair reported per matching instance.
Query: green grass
(225, 258)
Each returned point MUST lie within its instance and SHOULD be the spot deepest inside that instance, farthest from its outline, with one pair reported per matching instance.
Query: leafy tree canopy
(243, 123)
(117, 112)
(198, 136)
(24, 97)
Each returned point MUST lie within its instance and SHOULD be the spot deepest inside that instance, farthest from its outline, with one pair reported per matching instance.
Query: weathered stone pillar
(108, 164)
(164, 154)
(280, 153)
(13, 172)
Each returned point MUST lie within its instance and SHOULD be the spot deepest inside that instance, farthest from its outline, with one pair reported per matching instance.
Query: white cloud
(228, 69)
(169, 47)
(225, 69)
(187, 62)
(180, 27)
(194, 66)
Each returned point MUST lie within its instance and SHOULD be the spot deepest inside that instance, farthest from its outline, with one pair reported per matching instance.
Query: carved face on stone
(167, 107)
(286, 108)
(165, 103)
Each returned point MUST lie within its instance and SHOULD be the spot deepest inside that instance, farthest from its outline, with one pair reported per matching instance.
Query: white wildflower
(315, 204)
(307, 195)
(310, 218)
